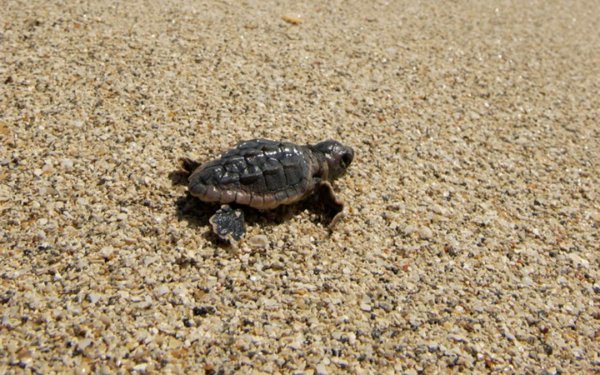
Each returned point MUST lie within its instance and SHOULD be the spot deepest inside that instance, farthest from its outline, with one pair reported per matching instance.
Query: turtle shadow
(194, 211)
(198, 213)
(179, 177)
(189, 208)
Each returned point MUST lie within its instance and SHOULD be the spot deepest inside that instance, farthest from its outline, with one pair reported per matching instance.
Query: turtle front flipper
(228, 223)
(333, 207)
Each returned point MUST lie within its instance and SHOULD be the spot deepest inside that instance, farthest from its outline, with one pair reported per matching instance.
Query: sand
(470, 242)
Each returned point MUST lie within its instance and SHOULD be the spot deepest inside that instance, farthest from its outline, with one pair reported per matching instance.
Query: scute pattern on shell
(259, 173)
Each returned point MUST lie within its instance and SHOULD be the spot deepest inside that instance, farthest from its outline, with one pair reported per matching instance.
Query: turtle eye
(346, 159)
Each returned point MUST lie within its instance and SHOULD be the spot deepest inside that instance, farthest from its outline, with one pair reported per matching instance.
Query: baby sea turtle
(264, 174)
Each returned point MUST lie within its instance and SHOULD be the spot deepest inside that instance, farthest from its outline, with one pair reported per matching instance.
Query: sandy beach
(470, 242)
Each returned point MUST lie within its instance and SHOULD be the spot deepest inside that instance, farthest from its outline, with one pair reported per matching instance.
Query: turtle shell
(259, 173)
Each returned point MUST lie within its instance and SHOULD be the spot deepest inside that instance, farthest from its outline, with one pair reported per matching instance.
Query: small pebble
(293, 20)
(106, 252)
(140, 367)
(410, 229)
(578, 260)
(94, 297)
(83, 344)
(5, 193)
(161, 290)
(179, 290)
(425, 233)
(67, 164)
(258, 242)
(321, 370)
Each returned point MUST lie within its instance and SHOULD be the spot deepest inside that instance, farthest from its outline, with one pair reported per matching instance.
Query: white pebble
(258, 242)
(140, 368)
(321, 370)
(410, 229)
(94, 297)
(457, 338)
(579, 261)
(106, 252)
(352, 338)
(425, 233)
(84, 343)
(161, 290)
(438, 209)
(5, 193)
(578, 352)
(67, 164)
(179, 290)
(270, 304)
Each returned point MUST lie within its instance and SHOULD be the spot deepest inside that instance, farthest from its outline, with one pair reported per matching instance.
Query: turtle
(264, 174)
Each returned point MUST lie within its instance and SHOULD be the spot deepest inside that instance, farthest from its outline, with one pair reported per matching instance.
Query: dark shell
(259, 173)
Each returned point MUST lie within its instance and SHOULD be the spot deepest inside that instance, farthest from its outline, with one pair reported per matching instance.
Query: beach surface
(470, 241)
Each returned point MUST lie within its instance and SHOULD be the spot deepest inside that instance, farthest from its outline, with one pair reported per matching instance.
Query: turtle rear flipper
(188, 165)
(228, 223)
(181, 175)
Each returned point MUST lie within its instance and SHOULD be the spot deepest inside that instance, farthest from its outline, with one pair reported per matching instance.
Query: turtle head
(336, 156)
